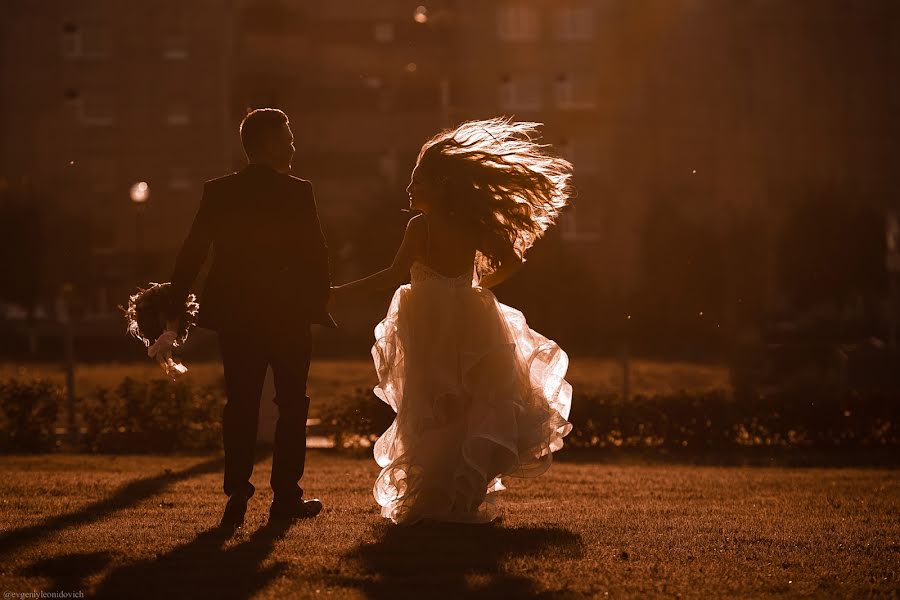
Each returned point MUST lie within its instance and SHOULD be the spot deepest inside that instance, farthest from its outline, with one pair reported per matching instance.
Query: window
(175, 47)
(576, 227)
(568, 223)
(72, 97)
(178, 114)
(574, 91)
(92, 110)
(520, 93)
(384, 32)
(573, 229)
(72, 46)
(564, 149)
(85, 42)
(582, 153)
(517, 23)
(97, 111)
(574, 23)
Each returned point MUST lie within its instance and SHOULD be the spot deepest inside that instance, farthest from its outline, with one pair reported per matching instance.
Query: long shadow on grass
(69, 572)
(448, 560)
(201, 568)
(129, 494)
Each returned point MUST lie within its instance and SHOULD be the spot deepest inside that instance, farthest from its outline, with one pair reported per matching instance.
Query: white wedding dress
(478, 396)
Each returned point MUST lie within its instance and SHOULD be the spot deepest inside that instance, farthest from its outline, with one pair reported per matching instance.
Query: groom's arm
(192, 256)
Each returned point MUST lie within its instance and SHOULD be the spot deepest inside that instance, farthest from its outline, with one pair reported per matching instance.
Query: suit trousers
(245, 359)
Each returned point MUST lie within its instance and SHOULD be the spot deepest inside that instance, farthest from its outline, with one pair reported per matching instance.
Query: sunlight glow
(140, 192)
(421, 15)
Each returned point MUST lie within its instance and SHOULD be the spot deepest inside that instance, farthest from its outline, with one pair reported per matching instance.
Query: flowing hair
(499, 183)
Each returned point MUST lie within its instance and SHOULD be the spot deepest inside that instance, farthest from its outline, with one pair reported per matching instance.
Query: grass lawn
(143, 527)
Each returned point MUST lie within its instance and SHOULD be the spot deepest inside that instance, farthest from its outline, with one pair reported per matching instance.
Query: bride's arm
(508, 268)
(398, 272)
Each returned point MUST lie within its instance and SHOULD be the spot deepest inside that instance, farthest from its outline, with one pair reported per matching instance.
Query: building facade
(99, 96)
(720, 111)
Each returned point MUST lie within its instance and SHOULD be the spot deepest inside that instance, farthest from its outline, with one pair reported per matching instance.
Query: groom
(268, 282)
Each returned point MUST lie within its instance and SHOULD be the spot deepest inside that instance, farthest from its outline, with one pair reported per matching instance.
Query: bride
(478, 395)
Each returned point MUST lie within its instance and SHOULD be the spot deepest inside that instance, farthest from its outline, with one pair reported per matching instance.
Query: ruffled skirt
(478, 396)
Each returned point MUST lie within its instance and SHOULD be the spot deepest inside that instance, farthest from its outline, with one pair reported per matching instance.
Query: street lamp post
(140, 193)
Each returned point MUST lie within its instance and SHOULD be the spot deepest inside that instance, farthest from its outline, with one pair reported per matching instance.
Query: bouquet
(146, 320)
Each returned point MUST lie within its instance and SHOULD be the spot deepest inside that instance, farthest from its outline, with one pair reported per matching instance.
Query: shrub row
(155, 415)
(814, 417)
(28, 410)
(158, 415)
(717, 421)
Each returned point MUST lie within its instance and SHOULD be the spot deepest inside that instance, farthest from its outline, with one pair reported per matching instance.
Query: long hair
(499, 183)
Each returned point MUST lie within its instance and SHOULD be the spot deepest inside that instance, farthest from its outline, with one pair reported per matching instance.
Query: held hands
(338, 296)
(161, 350)
(335, 294)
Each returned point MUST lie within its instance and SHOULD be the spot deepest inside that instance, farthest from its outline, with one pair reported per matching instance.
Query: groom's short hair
(258, 126)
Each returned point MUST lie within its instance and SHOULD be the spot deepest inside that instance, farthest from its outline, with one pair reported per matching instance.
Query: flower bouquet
(146, 320)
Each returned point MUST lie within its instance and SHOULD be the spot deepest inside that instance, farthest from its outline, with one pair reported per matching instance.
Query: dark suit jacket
(270, 263)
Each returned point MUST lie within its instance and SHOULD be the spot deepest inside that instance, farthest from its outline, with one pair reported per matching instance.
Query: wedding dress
(478, 395)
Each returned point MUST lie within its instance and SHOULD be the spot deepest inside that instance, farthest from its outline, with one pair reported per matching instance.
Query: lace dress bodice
(420, 272)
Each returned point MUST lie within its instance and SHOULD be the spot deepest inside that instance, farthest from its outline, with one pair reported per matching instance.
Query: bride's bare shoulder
(417, 220)
(416, 233)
